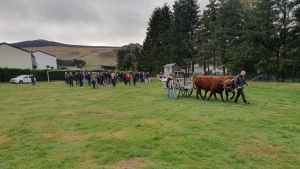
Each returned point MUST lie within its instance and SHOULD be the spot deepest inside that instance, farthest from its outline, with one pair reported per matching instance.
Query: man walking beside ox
(239, 83)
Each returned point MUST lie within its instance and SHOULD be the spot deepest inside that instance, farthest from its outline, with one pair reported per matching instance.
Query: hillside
(92, 55)
(43, 43)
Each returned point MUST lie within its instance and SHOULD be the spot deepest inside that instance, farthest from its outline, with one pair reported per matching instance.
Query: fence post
(48, 75)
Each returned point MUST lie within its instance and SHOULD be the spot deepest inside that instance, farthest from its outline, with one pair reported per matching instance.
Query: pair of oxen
(214, 84)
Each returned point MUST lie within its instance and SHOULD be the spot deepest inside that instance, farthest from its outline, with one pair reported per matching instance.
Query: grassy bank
(54, 126)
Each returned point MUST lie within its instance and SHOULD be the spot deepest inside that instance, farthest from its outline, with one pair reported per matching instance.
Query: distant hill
(131, 46)
(43, 43)
(92, 55)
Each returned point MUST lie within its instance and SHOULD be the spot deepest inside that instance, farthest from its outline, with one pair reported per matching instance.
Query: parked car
(21, 79)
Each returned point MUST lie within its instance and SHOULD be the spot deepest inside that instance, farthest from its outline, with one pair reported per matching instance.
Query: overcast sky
(78, 22)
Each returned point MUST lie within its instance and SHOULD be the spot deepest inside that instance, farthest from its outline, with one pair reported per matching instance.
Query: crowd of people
(96, 79)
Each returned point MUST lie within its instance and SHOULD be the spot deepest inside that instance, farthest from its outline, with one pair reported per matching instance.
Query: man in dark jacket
(104, 78)
(108, 77)
(32, 77)
(141, 76)
(80, 79)
(71, 79)
(88, 78)
(239, 83)
(76, 78)
(94, 79)
(134, 77)
(66, 78)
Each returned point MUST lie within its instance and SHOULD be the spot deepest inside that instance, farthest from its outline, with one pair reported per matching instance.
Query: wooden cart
(182, 85)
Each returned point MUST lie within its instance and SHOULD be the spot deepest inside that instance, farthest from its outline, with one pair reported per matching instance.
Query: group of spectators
(103, 78)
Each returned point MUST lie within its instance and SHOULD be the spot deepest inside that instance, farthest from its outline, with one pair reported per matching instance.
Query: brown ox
(210, 83)
(229, 87)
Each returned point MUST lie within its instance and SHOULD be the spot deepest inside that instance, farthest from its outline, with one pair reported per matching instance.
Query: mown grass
(54, 126)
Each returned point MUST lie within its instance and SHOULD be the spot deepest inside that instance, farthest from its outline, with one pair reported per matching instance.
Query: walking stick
(255, 78)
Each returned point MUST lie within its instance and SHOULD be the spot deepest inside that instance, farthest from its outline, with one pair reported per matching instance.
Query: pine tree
(186, 17)
(120, 56)
(259, 40)
(128, 61)
(295, 47)
(285, 37)
(230, 22)
(205, 38)
(157, 43)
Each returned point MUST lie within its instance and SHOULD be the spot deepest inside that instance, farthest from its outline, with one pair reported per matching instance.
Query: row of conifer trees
(257, 36)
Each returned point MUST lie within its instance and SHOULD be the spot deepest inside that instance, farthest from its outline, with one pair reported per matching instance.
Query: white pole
(48, 75)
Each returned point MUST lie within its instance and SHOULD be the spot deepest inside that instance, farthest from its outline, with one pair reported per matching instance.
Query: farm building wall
(171, 68)
(176, 68)
(12, 57)
(45, 61)
(200, 69)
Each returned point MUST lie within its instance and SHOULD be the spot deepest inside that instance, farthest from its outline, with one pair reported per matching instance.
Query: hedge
(41, 75)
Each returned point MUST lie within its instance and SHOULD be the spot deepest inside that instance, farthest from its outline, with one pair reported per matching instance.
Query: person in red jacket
(127, 79)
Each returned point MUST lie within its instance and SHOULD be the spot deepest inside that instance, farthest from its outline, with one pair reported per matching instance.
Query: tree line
(130, 59)
(73, 62)
(257, 36)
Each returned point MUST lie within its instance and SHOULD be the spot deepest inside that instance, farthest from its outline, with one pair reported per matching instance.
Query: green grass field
(54, 126)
